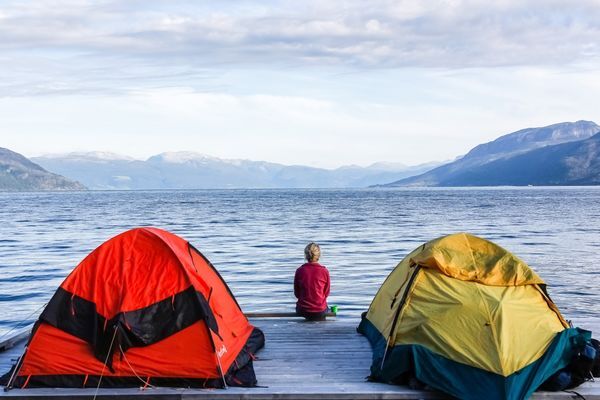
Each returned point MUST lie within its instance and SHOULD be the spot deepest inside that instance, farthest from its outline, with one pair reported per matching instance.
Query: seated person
(311, 286)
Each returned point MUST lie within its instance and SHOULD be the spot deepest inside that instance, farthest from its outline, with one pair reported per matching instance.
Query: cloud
(64, 46)
(429, 115)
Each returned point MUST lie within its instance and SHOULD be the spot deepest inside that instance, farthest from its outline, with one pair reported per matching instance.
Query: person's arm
(296, 288)
(328, 284)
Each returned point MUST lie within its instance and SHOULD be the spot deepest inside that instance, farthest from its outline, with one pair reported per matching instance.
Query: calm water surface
(256, 237)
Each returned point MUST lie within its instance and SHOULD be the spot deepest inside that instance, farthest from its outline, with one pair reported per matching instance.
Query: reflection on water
(256, 237)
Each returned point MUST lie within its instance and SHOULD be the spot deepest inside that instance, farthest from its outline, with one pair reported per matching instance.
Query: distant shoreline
(384, 188)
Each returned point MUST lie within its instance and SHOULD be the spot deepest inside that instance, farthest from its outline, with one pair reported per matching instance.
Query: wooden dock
(301, 360)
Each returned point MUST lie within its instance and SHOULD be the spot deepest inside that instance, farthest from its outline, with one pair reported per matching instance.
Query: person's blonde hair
(312, 252)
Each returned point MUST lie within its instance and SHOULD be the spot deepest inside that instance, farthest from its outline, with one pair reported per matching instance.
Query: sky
(320, 83)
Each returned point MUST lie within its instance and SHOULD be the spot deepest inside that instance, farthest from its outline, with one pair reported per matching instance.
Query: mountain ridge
(190, 170)
(494, 157)
(18, 173)
(571, 163)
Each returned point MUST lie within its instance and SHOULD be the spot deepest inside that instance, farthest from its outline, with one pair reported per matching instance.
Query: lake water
(256, 238)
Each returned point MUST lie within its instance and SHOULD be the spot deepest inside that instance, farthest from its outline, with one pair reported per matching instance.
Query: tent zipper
(400, 307)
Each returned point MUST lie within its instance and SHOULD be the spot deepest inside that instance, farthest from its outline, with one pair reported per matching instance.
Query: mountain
(533, 156)
(189, 170)
(533, 138)
(17, 173)
(571, 163)
(101, 170)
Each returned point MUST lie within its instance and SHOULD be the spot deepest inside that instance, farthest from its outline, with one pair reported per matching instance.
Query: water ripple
(256, 237)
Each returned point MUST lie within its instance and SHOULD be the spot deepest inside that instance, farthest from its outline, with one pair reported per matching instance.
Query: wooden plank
(301, 360)
(14, 339)
(280, 315)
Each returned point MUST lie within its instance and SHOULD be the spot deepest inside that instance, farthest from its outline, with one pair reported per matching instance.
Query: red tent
(145, 307)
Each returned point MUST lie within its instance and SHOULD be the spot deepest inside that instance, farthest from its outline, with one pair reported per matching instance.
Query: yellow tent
(469, 318)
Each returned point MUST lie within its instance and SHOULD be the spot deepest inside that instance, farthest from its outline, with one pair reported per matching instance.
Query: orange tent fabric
(145, 307)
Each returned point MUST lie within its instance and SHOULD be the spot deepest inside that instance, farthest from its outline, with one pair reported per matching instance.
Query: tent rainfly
(467, 317)
(144, 308)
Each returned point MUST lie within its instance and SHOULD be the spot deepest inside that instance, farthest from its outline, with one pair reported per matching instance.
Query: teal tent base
(464, 381)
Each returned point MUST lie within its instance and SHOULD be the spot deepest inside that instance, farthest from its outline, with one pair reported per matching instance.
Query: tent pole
(9, 384)
(387, 346)
(221, 370)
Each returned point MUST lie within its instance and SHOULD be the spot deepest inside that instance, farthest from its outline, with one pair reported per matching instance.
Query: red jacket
(311, 287)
